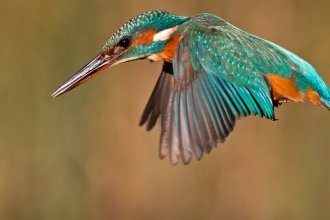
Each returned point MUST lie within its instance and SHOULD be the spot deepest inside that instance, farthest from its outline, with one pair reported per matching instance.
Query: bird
(213, 74)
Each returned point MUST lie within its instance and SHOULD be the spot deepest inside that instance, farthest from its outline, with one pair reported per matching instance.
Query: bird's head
(143, 37)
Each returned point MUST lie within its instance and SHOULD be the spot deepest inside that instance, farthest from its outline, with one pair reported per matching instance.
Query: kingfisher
(213, 74)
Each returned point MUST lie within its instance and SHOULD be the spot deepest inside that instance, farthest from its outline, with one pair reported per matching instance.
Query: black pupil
(124, 42)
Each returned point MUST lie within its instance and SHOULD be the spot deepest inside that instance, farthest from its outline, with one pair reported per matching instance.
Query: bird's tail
(326, 102)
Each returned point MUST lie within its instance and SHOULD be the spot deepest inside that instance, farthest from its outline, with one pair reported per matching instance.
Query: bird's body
(213, 74)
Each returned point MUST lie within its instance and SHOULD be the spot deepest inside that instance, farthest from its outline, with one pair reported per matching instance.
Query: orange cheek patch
(145, 37)
(285, 89)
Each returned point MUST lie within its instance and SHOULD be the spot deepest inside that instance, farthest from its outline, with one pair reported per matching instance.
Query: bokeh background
(83, 156)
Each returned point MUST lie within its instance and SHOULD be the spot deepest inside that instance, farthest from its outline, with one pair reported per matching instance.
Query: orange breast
(284, 89)
(168, 53)
(170, 48)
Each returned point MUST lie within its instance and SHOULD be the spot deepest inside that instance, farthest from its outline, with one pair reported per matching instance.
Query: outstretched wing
(214, 83)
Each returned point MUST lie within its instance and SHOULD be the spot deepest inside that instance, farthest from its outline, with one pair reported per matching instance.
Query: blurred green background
(83, 156)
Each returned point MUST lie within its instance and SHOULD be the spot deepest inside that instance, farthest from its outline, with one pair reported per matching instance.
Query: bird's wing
(214, 83)
(159, 98)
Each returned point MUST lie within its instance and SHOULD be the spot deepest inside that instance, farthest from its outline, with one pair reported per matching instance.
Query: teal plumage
(213, 74)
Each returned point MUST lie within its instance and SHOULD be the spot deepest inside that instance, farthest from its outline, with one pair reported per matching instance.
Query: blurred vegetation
(82, 155)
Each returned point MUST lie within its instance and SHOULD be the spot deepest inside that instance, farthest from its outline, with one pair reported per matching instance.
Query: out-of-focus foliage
(82, 155)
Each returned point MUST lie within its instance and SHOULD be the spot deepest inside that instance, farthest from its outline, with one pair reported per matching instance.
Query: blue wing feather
(218, 89)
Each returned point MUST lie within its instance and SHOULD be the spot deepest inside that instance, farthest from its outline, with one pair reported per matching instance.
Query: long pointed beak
(95, 66)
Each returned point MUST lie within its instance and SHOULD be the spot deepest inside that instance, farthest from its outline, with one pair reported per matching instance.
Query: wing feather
(214, 82)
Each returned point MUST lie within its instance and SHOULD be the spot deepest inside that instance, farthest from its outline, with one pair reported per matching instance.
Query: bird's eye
(124, 42)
